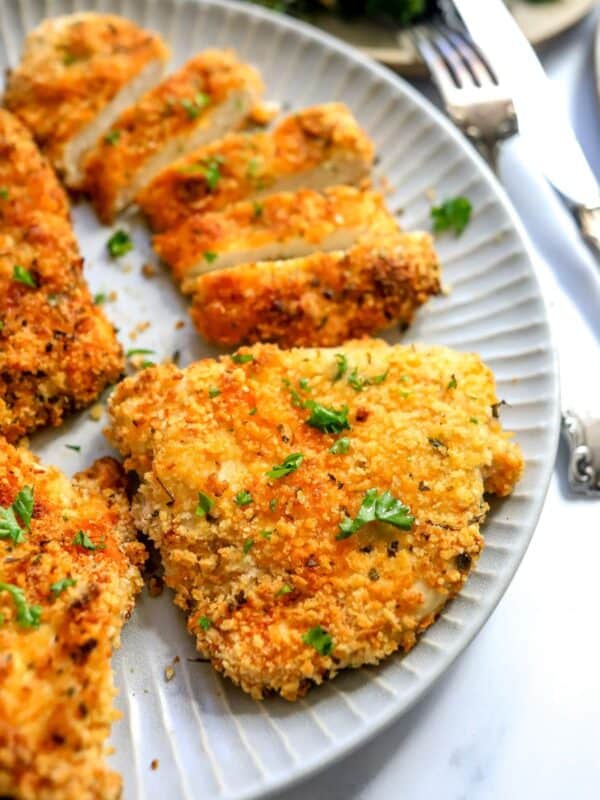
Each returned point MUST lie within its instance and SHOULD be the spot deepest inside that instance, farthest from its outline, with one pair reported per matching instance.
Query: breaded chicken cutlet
(315, 148)
(76, 75)
(57, 349)
(210, 95)
(315, 509)
(322, 299)
(68, 575)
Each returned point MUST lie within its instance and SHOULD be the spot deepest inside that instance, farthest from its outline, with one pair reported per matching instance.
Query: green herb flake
(266, 534)
(27, 616)
(213, 392)
(75, 447)
(81, 539)
(4, 193)
(287, 466)
(452, 383)
(285, 589)
(376, 380)
(9, 526)
(248, 545)
(253, 168)
(138, 351)
(242, 358)
(341, 368)
(211, 169)
(68, 59)
(380, 508)
(99, 299)
(273, 504)
(119, 244)
(112, 137)
(22, 275)
(318, 638)
(356, 382)
(243, 498)
(474, 420)
(205, 503)
(252, 411)
(205, 623)
(209, 256)
(340, 447)
(453, 215)
(328, 420)
(304, 384)
(21, 507)
(257, 209)
(60, 586)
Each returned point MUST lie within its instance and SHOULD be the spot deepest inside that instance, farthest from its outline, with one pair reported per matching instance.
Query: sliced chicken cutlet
(77, 73)
(316, 148)
(322, 299)
(57, 349)
(68, 575)
(284, 225)
(27, 181)
(314, 508)
(210, 95)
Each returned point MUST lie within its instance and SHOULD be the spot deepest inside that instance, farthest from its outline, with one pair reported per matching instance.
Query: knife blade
(543, 118)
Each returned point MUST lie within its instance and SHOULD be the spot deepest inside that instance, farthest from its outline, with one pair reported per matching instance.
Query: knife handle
(589, 222)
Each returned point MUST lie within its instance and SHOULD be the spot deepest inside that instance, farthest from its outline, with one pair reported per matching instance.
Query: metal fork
(474, 99)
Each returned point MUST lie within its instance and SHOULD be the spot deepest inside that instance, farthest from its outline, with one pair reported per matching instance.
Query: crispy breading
(56, 682)
(322, 299)
(77, 73)
(283, 225)
(210, 95)
(274, 597)
(57, 349)
(315, 148)
(27, 181)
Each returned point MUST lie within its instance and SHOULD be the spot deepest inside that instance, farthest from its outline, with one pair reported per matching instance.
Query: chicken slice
(77, 74)
(210, 95)
(285, 225)
(314, 508)
(322, 299)
(27, 181)
(316, 148)
(68, 576)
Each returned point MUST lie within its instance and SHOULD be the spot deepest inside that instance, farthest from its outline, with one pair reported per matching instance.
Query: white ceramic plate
(211, 740)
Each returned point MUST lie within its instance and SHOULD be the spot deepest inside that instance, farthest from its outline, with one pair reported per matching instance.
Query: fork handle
(588, 218)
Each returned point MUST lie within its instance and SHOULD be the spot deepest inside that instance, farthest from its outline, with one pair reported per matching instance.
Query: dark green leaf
(319, 639)
(328, 419)
(113, 137)
(209, 256)
(383, 508)
(452, 383)
(27, 616)
(340, 447)
(119, 244)
(4, 193)
(81, 539)
(287, 466)
(60, 586)
(214, 392)
(453, 215)
(99, 299)
(248, 545)
(285, 589)
(242, 358)
(75, 447)
(9, 527)
(138, 351)
(342, 366)
(205, 623)
(22, 275)
(243, 498)
(23, 505)
(205, 503)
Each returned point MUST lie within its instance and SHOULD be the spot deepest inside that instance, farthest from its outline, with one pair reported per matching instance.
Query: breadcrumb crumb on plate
(62, 617)
(77, 73)
(276, 596)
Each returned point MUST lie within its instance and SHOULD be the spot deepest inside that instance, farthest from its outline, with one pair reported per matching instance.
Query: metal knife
(543, 118)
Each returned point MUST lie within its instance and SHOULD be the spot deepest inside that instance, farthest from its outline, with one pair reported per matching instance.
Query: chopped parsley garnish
(243, 498)
(75, 447)
(99, 299)
(81, 539)
(139, 351)
(195, 106)
(378, 379)
(453, 215)
(248, 545)
(257, 209)
(318, 638)
(242, 358)
(211, 169)
(437, 444)
(119, 244)
(209, 256)
(69, 58)
(273, 504)
(252, 411)
(452, 383)
(287, 466)
(342, 366)
(285, 589)
(4, 193)
(22, 275)
(304, 384)
(326, 419)
(146, 364)
(60, 586)
(253, 168)
(113, 137)
(21, 507)
(205, 503)
(266, 534)
(356, 382)
(340, 447)
(474, 420)
(382, 508)
(214, 392)
(27, 616)
(205, 623)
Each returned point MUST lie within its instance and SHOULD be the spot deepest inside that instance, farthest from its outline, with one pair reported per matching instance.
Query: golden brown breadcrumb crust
(72, 67)
(277, 222)
(56, 683)
(27, 181)
(321, 300)
(255, 560)
(173, 110)
(250, 164)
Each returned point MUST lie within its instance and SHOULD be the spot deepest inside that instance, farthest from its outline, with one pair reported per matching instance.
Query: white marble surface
(518, 715)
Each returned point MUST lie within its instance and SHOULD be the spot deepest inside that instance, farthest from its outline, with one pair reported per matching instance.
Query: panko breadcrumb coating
(205, 99)
(283, 225)
(323, 299)
(77, 73)
(62, 616)
(315, 148)
(256, 470)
